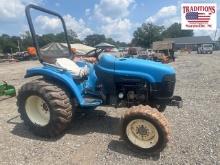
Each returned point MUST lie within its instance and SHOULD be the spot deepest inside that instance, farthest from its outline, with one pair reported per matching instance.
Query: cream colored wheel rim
(142, 133)
(37, 110)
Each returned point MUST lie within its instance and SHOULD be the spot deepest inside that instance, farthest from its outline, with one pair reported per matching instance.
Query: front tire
(145, 128)
(44, 107)
(160, 108)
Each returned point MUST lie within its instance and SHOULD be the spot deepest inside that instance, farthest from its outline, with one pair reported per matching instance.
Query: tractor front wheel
(44, 107)
(145, 128)
(160, 108)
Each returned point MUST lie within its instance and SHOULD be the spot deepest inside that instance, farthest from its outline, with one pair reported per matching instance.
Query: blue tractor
(47, 105)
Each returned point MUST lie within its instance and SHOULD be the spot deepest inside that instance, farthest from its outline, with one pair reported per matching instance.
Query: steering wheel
(95, 52)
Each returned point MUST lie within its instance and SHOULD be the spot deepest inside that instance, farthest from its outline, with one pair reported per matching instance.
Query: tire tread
(154, 115)
(57, 98)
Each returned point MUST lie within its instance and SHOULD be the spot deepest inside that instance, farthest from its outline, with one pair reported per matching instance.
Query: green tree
(26, 40)
(175, 31)
(8, 44)
(111, 41)
(1, 44)
(60, 37)
(145, 35)
(9, 47)
(94, 39)
(73, 38)
(121, 44)
(46, 39)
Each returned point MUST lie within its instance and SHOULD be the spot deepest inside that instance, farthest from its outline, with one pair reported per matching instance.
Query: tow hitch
(176, 101)
(173, 101)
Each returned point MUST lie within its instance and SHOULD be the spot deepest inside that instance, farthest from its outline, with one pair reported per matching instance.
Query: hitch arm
(176, 101)
(173, 101)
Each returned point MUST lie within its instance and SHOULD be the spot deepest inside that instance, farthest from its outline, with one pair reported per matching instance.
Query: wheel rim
(37, 110)
(142, 133)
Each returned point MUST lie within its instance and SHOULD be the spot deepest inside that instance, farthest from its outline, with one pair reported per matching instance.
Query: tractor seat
(72, 67)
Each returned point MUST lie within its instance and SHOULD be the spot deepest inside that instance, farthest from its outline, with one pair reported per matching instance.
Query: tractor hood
(146, 69)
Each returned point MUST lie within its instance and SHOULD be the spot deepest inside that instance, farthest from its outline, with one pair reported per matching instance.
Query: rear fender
(62, 76)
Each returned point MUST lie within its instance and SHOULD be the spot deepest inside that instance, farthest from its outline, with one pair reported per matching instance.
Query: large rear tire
(45, 107)
(145, 128)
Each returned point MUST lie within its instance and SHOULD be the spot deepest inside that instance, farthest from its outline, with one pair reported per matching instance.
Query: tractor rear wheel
(145, 128)
(44, 107)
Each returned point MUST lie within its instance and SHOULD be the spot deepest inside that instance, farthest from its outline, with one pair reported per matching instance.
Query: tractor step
(91, 92)
(91, 102)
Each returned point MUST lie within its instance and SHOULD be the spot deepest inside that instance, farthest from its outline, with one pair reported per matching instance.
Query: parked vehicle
(150, 52)
(205, 49)
(132, 51)
(47, 105)
(166, 48)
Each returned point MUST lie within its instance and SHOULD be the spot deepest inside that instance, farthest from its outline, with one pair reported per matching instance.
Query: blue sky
(114, 18)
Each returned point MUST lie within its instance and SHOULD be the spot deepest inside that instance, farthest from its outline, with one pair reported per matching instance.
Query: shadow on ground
(123, 147)
(22, 131)
(85, 123)
(95, 121)
(5, 98)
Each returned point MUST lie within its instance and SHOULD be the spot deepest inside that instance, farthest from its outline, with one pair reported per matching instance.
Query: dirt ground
(94, 139)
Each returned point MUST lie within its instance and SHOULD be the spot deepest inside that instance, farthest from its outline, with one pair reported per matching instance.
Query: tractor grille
(167, 86)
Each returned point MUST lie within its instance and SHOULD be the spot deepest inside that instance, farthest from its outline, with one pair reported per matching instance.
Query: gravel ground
(93, 138)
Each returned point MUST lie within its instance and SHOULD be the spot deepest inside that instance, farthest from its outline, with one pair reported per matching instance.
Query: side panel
(140, 75)
(92, 78)
(62, 76)
(145, 69)
(107, 78)
(126, 73)
(110, 66)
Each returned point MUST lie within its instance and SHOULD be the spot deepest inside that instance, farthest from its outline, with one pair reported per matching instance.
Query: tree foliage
(94, 39)
(9, 44)
(175, 31)
(145, 35)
